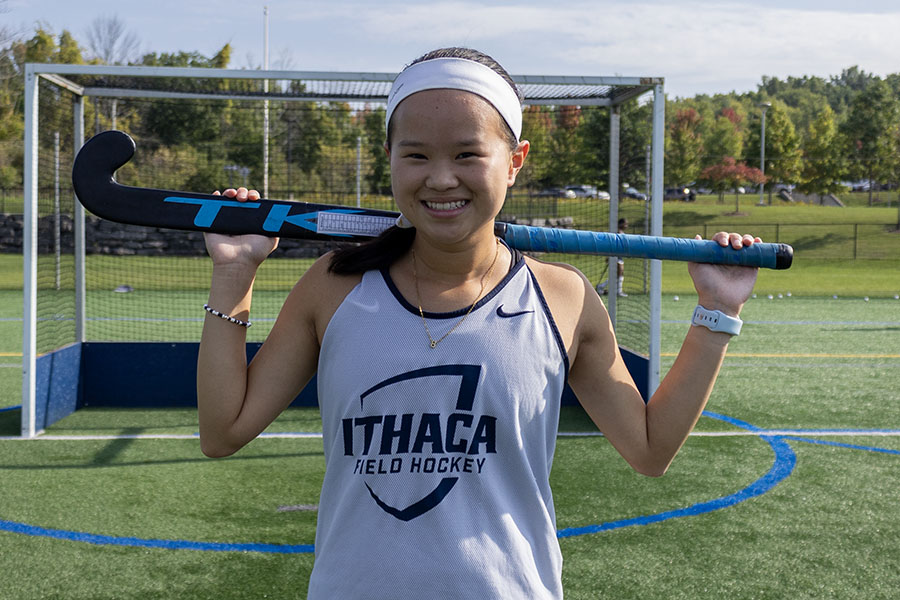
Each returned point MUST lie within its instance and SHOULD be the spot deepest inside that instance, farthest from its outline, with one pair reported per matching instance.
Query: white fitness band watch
(716, 320)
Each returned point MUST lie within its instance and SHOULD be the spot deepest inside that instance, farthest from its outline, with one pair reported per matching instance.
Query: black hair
(394, 242)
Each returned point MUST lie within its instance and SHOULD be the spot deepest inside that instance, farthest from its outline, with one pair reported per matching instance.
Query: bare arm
(236, 401)
(649, 436)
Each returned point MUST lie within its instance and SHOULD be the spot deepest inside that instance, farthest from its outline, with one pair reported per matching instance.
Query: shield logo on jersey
(446, 439)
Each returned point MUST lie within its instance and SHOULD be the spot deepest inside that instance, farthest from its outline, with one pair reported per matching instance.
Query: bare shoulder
(553, 275)
(318, 294)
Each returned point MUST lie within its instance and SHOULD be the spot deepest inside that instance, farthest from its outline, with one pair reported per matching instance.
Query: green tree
(872, 116)
(823, 162)
(43, 47)
(566, 146)
(846, 86)
(178, 122)
(378, 176)
(635, 132)
(684, 148)
(724, 138)
(68, 51)
(537, 128)
(309, 125)
(783, 153)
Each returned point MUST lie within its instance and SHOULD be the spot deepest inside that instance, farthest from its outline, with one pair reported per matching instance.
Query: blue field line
(9, 408)
(842, 445)
(834, 431)
(782, 467)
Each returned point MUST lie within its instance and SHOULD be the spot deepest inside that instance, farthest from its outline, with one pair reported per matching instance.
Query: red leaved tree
(730, 174)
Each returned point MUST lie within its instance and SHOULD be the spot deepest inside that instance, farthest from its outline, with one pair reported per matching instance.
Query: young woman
(441, 358)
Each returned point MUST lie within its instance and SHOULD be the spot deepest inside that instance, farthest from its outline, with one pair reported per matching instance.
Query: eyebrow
(410, 144)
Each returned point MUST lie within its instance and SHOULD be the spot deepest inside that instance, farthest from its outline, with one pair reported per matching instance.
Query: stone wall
(107, 237)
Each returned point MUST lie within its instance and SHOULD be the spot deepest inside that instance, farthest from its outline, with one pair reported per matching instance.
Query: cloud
(695, 45)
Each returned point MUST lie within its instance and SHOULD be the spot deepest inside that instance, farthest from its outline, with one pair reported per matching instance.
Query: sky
(698, 46)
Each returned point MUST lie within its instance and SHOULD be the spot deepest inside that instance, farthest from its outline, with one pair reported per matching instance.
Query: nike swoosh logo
(506, 315)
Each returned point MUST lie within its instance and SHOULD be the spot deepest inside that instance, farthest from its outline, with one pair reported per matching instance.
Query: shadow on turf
(11, 422)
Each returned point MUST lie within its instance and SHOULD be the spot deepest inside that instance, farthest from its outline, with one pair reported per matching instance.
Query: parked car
(630, 192)
(684, 194)
(556, 192)
(588, 191)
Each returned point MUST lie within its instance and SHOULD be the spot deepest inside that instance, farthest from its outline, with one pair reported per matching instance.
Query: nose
(441, 177)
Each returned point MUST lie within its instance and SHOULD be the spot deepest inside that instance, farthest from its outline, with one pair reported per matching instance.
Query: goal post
(129, 292)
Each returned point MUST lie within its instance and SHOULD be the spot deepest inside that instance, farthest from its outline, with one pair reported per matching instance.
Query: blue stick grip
(573, 241)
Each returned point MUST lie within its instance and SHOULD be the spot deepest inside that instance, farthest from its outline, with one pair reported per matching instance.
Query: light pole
(266, 103)
(762, 149)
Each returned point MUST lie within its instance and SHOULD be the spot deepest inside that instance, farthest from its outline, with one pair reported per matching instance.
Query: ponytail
(379, 253)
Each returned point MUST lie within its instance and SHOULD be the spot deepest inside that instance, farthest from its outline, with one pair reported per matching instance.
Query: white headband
(458, 74)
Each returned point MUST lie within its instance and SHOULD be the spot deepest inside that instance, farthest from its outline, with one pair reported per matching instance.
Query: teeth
(445, 205)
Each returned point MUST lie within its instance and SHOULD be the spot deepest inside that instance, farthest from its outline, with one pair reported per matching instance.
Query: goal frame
(38, 371)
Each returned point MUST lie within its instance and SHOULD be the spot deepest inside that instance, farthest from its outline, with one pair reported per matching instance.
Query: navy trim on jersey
(556, 333)
(519, 262)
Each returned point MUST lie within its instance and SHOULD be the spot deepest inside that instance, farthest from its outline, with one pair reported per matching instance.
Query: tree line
(819, 132)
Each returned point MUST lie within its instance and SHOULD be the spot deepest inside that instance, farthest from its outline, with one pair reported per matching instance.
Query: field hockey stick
(97, 189)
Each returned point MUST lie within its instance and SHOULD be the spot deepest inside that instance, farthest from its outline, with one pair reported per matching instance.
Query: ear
(517, 161)
(387, 150)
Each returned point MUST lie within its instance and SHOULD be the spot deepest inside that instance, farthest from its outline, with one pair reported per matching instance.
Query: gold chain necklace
(484, 279)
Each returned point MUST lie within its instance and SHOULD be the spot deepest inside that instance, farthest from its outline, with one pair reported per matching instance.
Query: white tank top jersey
(438, 460)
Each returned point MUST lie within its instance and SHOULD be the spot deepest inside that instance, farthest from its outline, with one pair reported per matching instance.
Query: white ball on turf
(676, 298)
(866, 298)
(770, 296)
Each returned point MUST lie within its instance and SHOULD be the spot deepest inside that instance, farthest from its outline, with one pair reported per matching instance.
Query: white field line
(771, 433)
(315, 435)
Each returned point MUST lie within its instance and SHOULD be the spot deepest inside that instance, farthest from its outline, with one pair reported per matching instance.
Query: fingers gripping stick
(97, 189)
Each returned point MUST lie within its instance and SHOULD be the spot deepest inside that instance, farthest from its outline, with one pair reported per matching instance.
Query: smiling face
(451, 163)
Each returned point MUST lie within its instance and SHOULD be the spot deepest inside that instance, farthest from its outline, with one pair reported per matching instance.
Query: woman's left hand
(725, 287)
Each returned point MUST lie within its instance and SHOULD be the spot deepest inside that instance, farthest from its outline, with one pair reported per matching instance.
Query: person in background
(620, 269)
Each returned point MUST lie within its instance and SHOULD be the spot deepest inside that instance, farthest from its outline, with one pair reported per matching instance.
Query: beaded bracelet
(229, 318)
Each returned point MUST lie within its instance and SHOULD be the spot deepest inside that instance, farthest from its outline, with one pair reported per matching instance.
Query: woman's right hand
(239, 250)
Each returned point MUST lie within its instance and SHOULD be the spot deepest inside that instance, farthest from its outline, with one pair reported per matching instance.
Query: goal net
(114, 312)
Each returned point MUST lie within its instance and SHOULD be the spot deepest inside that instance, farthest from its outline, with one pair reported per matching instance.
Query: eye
(415, 156)
(464, 155)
